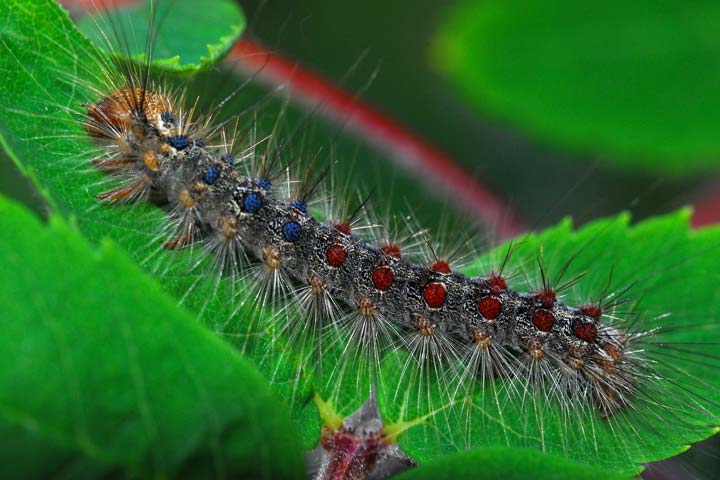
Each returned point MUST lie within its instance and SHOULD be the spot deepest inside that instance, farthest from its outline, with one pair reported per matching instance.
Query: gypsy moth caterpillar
(546, 367)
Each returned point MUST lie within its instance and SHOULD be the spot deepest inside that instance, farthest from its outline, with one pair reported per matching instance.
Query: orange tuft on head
(114, 112)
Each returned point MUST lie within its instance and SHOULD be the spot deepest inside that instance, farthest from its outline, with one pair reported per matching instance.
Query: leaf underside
(203, 35)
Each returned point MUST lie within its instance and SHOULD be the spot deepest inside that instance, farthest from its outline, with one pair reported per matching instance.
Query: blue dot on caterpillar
(291, 231)
(299, 205)
(264, 183)
(167, 117)
(179, 142)
(211, 175)
(252, 203)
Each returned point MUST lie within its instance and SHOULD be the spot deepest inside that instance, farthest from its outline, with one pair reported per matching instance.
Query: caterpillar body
(213, 199)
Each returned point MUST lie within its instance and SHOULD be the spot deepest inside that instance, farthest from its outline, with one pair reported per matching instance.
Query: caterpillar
(514, 362)
(160, 153)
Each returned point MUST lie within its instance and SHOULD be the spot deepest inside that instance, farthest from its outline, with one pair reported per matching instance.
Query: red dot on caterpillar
(383, 277)
(391, 251)
(543, 320)
(592, 310)
(335, 255)
(435, 294)
(490, 307)
(441, 266)
(343, 228)
(547, 297)
(585, 331)
(496, 283)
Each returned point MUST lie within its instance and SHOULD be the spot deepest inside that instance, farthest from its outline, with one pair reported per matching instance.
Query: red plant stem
(389, 137)
(80, 6)
(707, 207)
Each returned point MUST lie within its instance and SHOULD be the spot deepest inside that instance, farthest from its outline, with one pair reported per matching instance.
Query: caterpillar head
(133, 110)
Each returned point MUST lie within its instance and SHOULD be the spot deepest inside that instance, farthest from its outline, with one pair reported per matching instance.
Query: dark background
(541, 182)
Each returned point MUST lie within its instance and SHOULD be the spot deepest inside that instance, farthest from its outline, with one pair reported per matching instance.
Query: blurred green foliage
(635, 81)
(106, 375)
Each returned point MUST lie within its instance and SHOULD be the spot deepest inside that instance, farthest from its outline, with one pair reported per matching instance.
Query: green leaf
(634, 81)
(671, 271)
(107, 369)
(501, 463)
(202, 33)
